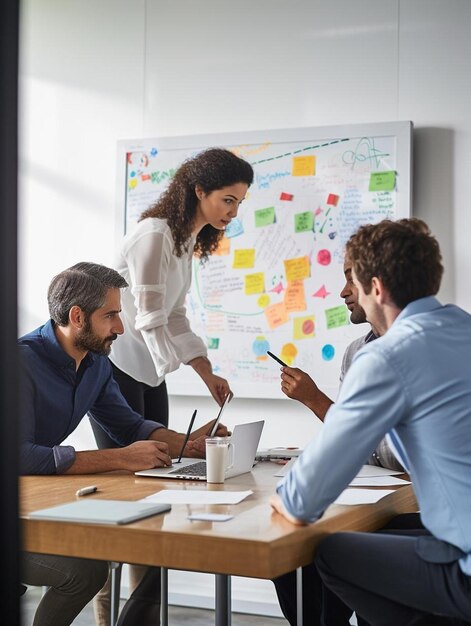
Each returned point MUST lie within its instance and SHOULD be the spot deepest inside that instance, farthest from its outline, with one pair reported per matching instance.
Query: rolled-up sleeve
(371, 400)
(166, 332)
(117, 418)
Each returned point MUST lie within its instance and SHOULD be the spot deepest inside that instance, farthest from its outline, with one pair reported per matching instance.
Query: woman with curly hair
(155, 259)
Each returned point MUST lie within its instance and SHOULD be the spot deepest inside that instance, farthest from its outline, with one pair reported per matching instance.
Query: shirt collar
(422, 305)
(56, 352)
(370, 337)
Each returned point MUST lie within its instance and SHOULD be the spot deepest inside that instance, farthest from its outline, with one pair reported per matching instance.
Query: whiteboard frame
(401, 130)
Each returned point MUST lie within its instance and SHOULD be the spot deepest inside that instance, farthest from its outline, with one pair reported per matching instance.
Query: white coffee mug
(217, 461)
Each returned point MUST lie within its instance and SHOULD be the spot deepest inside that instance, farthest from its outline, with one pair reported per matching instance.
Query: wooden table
(256, 543)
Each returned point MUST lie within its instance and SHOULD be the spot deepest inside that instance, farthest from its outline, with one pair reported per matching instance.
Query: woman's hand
(219, 387)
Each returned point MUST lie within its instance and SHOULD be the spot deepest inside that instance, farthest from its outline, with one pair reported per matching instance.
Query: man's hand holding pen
(196, 445)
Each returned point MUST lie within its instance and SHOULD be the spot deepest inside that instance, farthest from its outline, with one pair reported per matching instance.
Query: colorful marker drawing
(274, 280)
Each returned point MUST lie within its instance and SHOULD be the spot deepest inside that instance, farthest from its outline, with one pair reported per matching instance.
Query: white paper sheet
(197, 496)
(209, 517)
(362, 496)
(373, 470)
(378, 481)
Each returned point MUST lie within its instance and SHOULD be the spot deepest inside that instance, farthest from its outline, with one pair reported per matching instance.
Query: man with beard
(320, 605)
(412, 382)
(65, 375)
(298, 385)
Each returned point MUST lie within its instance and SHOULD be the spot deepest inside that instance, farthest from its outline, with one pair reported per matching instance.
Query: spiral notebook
(95, 511)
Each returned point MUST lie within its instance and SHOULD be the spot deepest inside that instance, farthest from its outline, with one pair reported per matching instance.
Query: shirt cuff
(64, 457)
(146, 428)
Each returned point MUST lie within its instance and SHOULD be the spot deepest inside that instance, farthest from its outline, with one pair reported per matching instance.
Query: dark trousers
(321, 606)
(385, 581)
(143, 606)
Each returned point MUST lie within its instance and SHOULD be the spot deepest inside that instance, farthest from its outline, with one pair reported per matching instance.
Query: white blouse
(157, 335)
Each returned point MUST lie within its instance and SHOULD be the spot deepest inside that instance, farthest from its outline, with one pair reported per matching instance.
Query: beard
(357, 315)
(89, 341)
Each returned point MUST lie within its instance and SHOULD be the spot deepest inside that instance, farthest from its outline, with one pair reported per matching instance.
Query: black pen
(273, 356)
(187, 436)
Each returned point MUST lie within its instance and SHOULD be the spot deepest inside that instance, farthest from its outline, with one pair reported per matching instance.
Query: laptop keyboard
(195, 469)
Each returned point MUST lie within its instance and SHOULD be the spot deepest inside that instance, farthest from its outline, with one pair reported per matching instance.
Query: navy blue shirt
(55, 397)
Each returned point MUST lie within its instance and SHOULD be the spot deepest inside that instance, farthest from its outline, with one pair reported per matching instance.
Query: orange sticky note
(224, 247)
(297, 269)
(276, 315)
(288, 353)
(304, 166)
(295, 299)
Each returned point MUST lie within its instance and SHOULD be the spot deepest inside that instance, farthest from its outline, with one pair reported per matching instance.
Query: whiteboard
(274, 283)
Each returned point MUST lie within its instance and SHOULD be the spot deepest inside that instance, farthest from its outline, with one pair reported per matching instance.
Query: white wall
(95, 72)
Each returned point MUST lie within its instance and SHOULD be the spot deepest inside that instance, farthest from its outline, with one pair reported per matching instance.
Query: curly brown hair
(403, 254)
(211, 169)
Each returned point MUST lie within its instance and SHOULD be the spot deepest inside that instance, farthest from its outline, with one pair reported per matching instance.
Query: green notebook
(94, 511)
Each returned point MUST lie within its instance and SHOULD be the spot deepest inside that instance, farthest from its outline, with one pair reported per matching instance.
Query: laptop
(245, 438)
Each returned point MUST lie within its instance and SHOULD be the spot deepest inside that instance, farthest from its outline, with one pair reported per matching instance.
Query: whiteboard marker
(276, 359)
(86, 490)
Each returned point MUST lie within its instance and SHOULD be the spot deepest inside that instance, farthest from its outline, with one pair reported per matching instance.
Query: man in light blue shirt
(415, 381)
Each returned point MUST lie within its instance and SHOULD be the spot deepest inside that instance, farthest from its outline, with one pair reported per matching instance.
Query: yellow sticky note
(276, 315)
(297, 269)
(304, 166)
(295, 299)
(254, 283)
(244, 258)
(303, 327)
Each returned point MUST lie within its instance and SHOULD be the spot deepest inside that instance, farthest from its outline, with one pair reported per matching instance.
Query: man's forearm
(96, 461)
(319, 404)
(173, 439)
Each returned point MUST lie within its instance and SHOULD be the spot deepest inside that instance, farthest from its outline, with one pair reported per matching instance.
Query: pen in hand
(273, 356)
(187, 436)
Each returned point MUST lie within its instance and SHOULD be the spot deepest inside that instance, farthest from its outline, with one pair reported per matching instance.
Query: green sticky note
(213, 343)
(382, 181)
(265, 217)
(303, 222)
(336, 317)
